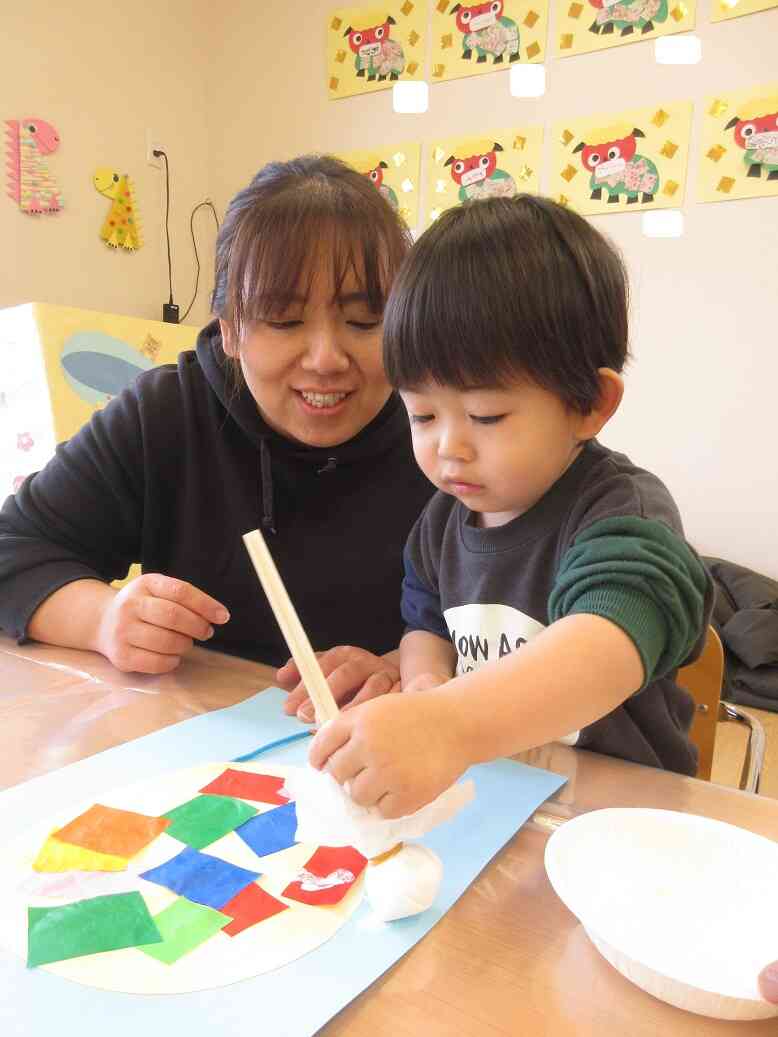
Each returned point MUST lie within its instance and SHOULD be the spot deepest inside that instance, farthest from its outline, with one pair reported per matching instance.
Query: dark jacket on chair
(745, 615)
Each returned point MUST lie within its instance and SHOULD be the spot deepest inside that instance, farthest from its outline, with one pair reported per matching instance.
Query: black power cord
(169, 309)
(200, 205)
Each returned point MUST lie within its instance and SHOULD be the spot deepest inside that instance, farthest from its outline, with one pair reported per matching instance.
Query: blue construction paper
(200, 877)
(34, 1003)
(270, 832)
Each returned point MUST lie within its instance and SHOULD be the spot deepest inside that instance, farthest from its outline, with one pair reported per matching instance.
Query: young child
(549, 593)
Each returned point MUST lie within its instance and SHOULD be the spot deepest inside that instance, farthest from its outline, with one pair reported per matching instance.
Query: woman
(281, 418)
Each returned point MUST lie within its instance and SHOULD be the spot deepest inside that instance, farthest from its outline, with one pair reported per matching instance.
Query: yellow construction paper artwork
(723, 10)
(583, 26)
(121, 228)
(494, 164)
(739, 156)
(370, 48)
(58, 856)
(622, 162)
(395, 171)
(470, 39)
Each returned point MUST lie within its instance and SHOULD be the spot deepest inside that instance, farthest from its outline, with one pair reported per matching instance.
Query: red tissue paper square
(260, 788)
(252, 905)
(327, 876)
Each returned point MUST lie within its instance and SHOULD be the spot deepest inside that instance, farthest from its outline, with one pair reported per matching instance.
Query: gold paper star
(438, 71)
(660, 117)
(566, 41)
(670, 188)
(335, 24)
(716, 152)
(533, 50)
(525, 173)
(718, 107)
(340, 57)
(447, 41)
(442, 5)
(568, 173)
(679, 12)
(334, 81)
(669, 149)
(563, 199)
(575, 10)
(567, 137)
(726, 184)
(413, 37)
(519, 143)
(406, 8)
(413, 68)
(531, 18)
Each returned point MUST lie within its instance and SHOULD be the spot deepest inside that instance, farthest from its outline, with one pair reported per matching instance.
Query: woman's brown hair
(292, 216)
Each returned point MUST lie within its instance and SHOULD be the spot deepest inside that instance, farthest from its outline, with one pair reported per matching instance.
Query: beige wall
(102, 74)
(703, 385)
(703, 388)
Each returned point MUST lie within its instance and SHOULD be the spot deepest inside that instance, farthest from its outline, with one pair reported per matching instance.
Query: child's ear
(229, 338)
(610, 392)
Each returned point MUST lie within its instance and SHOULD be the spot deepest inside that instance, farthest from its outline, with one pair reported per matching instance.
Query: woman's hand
(153, 621)
(768, 982)
(353, 674)
(398, 752)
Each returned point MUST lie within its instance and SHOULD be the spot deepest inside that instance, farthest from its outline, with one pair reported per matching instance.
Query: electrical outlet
(152, 145)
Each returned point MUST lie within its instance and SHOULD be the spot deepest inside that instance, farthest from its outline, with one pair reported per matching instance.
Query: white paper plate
(685, 907)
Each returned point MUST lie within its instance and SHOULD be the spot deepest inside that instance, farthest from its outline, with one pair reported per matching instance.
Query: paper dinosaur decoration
(122, 224)
(30, 184)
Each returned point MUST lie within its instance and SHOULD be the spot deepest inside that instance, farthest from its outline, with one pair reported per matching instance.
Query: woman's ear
(611, 390)
(229, 338)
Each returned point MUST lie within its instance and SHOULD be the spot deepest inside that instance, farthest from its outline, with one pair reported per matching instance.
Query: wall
(703, 385)
(102, 74)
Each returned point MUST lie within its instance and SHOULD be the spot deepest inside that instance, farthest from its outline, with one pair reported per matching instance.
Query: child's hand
(425, 681)
(398, 752)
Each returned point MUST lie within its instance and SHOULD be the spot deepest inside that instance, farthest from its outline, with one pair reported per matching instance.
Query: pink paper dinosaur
(30, 184)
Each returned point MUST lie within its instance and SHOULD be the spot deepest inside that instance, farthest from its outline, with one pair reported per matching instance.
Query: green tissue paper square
(184, 926)
(106, 923)
(205, 819)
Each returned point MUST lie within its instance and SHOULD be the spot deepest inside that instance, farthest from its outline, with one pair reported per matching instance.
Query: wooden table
(508, 959)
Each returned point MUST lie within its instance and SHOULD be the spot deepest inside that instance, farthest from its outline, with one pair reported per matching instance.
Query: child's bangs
(275, 264)
(453, 317)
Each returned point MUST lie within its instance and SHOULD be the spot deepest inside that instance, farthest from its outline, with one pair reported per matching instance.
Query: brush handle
(297, 640)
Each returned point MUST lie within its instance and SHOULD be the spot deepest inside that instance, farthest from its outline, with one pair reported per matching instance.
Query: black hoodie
(173, 471)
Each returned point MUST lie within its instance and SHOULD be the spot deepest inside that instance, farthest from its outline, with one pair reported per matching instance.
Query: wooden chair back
(703, 680)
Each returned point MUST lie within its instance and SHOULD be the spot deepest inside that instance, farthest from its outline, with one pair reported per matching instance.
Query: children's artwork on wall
(30, 184)
(469, 39)
(583, 26)
(395, 171)
(497, 164)
(370, 48)
(623, 162)
(739, 145)
(122, 224)
(723, 10)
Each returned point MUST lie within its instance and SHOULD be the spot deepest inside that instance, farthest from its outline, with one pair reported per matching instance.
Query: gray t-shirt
(605, 539)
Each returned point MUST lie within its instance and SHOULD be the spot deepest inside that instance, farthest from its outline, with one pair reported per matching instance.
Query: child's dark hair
(505, 289)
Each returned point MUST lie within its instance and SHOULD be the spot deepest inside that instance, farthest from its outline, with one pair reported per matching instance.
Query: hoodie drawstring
(266, 478)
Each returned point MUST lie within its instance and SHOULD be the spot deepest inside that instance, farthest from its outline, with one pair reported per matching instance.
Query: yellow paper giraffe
(122, 225)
